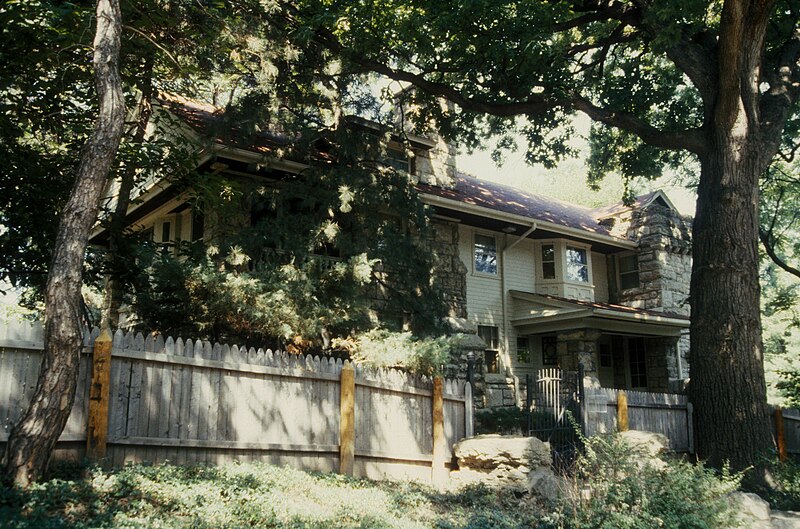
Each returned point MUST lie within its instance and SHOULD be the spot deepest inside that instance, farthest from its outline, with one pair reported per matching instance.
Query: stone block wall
(665, 260)
(450, 272)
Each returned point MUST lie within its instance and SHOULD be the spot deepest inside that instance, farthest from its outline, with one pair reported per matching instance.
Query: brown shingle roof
(499, 197)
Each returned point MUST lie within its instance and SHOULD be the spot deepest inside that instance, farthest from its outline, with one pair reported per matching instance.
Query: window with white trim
(485, 254)
(491, 336)
(577, 265)
(548, 261)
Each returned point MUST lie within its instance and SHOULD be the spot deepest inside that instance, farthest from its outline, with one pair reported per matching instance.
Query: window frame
(475, 271)
(585, 264)
(620, 273)
(551, 340)
(554, 260)
(527, 348)
(492, 348)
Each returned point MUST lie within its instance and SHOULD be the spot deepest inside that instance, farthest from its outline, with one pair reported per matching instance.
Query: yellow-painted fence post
(347, 420)
(622, 412)
(97, 424)
(780, 434)
(438, 470)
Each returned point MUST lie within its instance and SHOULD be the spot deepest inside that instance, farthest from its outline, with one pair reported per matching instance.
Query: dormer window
(577, 265)
(485, 254)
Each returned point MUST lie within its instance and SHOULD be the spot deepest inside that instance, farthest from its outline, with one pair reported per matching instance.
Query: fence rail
(190, 401)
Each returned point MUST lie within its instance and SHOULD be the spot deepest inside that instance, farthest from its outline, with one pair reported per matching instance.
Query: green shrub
(613, 489)
(785, 495)
(383, 348)
(504, 421)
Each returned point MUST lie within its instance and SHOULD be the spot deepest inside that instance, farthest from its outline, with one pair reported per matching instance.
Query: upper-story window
(548, 261)
(398, 159)
(485, 252)
(628, 271)
(577, 265)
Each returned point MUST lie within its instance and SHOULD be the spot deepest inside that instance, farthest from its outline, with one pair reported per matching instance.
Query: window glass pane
(485, 255)
(629, 272)
(523, 351)
(490, 335)
(491, 362)
(548, 261)
(638, 362)
(628, 263)
(576, 265)
(549, 351)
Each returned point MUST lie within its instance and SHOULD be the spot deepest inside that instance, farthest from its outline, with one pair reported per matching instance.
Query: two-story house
(541, 282)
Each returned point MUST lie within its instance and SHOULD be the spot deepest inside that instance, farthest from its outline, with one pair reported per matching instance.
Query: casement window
(548, 261)
(637, 361)
(549, 351)
(491, 336)
(577, 265)
(628, 271)
(523, 350)
(485, 254)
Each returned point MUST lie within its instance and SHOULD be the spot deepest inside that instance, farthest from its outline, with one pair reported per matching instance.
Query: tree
(31, 440)
(666, 83)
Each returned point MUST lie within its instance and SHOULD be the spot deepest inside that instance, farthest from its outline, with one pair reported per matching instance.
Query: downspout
(503, 302)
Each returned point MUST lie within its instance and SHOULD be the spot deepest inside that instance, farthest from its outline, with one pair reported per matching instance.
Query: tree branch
(693, 140)
(763, 236)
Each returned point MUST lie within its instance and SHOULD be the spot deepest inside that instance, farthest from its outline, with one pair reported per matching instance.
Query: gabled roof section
(208, 121)
(498, 197)
(640, 202)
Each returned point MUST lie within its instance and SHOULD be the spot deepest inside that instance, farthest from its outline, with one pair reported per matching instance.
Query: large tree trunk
(32, 439)
(727, 373)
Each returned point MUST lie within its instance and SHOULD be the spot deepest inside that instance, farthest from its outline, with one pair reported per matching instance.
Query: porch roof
(540, 313)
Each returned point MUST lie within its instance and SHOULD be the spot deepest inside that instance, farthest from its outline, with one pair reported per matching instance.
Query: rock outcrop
(520, 464)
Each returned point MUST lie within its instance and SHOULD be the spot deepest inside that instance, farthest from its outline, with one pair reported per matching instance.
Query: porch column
(579, 346)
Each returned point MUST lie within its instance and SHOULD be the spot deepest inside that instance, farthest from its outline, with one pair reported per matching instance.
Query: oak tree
(711, 85)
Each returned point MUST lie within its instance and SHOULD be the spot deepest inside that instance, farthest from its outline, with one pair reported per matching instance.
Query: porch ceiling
(538, 313)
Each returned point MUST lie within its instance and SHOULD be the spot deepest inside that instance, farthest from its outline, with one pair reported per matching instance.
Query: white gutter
(503, 302)
(483, 211)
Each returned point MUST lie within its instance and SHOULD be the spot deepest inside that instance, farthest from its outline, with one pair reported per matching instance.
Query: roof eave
(435, 200)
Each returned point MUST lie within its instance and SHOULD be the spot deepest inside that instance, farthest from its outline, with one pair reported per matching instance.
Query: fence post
(622, 412)
(690, 426)
(438, 470)
(780, 434)
(347, 422)
(97, 423)
(469, 417)
(584, 410)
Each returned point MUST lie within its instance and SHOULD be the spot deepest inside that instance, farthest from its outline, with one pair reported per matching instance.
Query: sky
(568, 180)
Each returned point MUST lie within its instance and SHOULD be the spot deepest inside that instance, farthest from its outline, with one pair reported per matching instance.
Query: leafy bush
(501, 420)
(785, 495)
(383, 348)
(613, 489)
(252, 495)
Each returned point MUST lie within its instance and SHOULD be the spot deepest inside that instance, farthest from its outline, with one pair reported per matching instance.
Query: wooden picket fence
(664, 413)
(193, 402)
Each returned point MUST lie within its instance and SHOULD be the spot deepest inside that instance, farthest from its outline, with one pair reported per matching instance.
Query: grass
(251, 495)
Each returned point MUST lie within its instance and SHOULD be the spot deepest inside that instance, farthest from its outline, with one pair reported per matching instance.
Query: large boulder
(648, 447)
(520, 464)
(754, 513)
